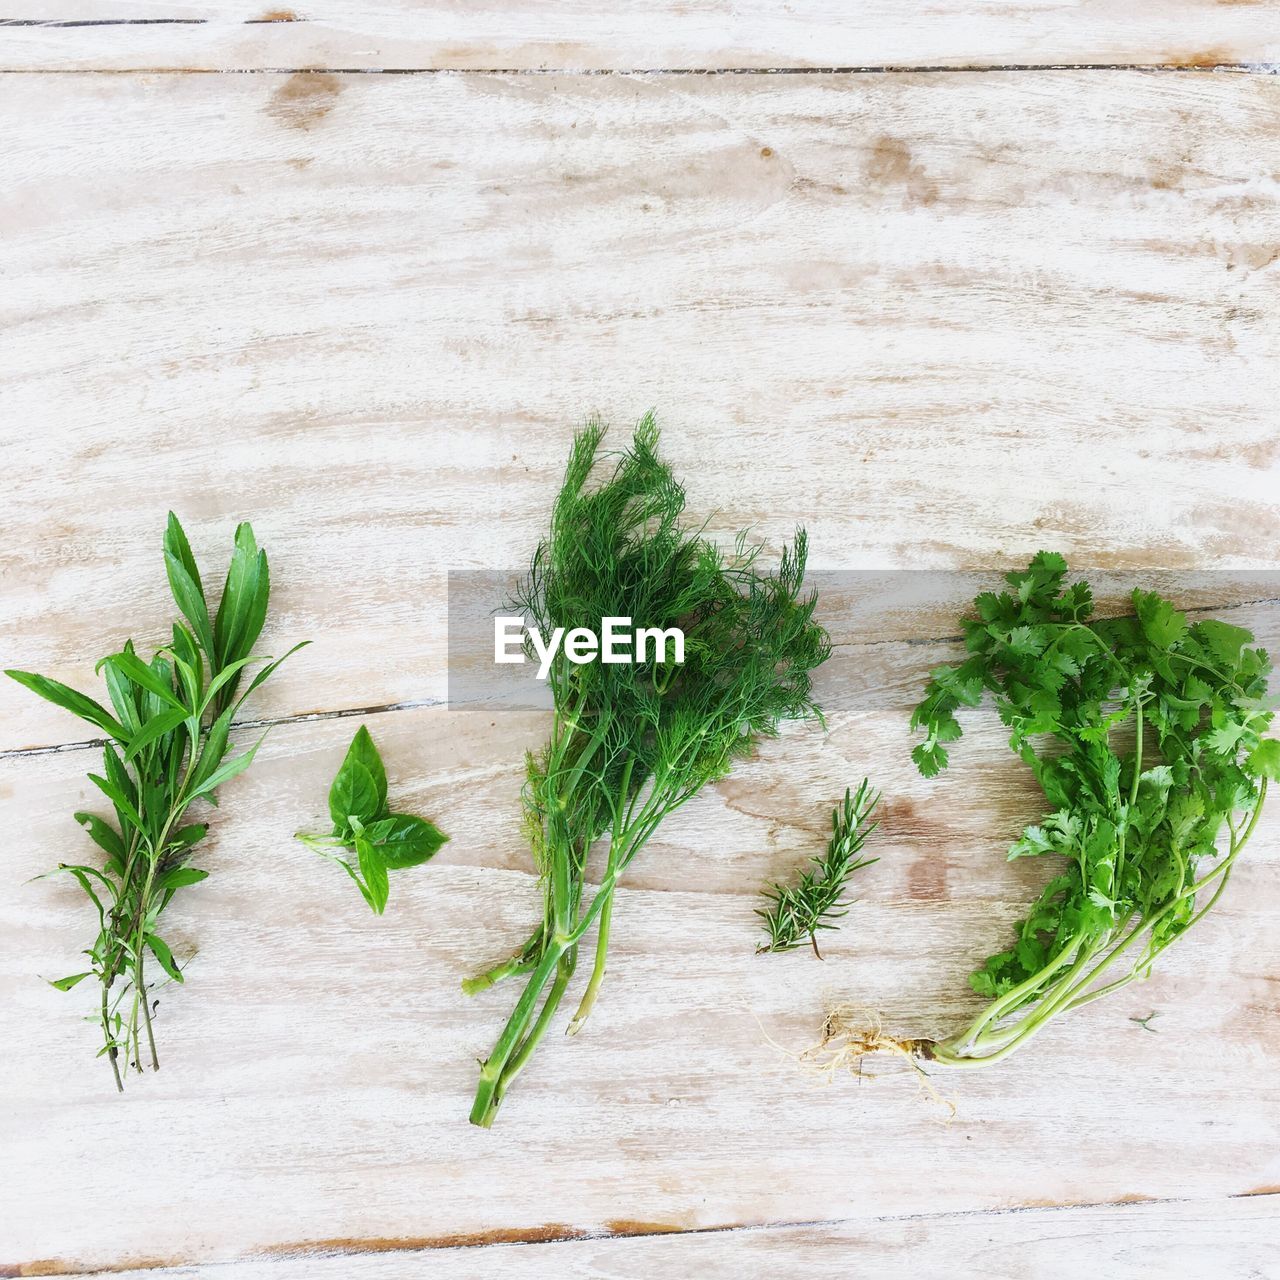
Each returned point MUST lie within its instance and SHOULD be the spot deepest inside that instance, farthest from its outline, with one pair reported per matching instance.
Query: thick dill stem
(521, 962)
(587, 1003)
(485, 1106)
(491, 977)
(619, 856)
(564, 971)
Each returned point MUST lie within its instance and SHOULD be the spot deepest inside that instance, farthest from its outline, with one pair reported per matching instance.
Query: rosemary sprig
(796, 912)
(166, 749)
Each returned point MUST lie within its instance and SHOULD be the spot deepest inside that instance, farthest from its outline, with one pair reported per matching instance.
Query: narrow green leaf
(103, 834)
(177, 546)
(186, 648)
(154, 703)
(228, 770)
(224, 677)
(65, 984)
(68, 699)
(130, 665)
(238, 595)
(189, 596)
(360, 884)
(185, 837)
(215, 747)
(117, 797)
(155, 728)
(256, 609)
(181, 876)
(160, 949)
(267, 671)
(123, 699)
(81, 875)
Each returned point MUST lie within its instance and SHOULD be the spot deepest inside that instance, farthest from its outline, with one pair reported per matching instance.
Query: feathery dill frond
(632, 742)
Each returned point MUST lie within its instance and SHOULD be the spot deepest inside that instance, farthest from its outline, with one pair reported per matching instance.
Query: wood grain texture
(318, 1063)
(572, 35)
(961, 317)
(1182, 1241)
(943, 320)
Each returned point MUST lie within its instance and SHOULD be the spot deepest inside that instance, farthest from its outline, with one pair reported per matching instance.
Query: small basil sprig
(362, 824)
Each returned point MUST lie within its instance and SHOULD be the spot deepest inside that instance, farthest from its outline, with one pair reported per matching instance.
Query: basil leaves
(363, 824)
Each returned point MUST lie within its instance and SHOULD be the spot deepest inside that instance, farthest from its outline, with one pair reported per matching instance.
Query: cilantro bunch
(1146, 734)
(363, 824)
(632, 742)
(167, 744)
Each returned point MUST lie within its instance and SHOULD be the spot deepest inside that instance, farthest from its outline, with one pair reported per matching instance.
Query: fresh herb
(1134, 814)
(815, 901)
(632, 742)
(167, 747)
(363, 824)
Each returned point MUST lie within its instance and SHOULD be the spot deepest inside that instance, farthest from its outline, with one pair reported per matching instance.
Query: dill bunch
(816, 901)
(632, 742)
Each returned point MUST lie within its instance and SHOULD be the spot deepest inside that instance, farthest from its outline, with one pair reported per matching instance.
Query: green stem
(482, 1110)
(139, 986)
(1012, 998)
(516, 1063)
(140, 982)
(1000, 1042)
(1072, 991)
(587, 1003)
(113, 1054)
(617, 853)
(491, 977)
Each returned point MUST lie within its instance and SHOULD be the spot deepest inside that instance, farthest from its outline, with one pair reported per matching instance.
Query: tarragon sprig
(166, 748)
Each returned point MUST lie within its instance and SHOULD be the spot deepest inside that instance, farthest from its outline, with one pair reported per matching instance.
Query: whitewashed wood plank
(318, 1064)
(1183, 1241)
(572, 35)
(943, 320)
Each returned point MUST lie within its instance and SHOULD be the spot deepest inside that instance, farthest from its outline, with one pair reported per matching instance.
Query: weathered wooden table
(945, 284)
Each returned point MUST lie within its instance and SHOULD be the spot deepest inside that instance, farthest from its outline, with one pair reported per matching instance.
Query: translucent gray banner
(858, 608)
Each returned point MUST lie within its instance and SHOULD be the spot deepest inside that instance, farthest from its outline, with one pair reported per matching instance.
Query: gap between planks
(554, 1233)
(882, 69)
(289, 19)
